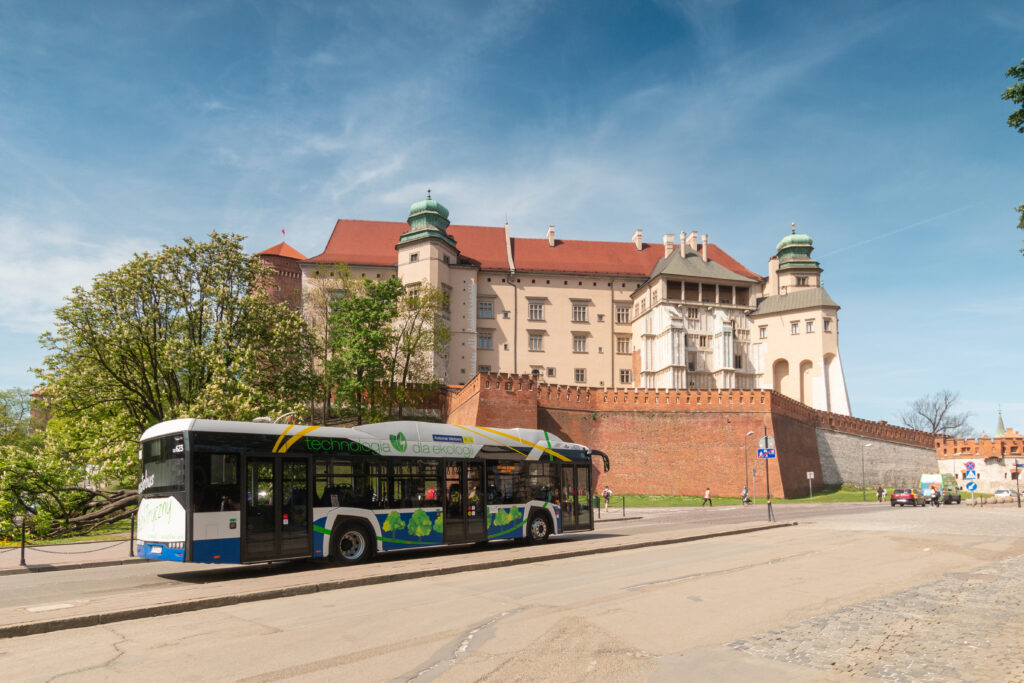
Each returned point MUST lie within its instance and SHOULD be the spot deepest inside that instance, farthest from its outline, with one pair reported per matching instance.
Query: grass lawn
(118, 531)
(830, 495)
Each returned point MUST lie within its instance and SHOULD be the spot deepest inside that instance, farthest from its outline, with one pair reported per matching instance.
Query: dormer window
(801, 281)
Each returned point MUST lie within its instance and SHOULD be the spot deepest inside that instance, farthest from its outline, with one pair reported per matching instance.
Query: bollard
(23, 542)
(131, 538)
(623, 505)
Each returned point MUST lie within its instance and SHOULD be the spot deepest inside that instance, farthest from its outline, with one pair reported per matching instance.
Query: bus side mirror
(607, 465)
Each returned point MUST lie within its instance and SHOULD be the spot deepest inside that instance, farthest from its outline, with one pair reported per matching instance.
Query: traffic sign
(969, 464)
(766, 442)
(765, 453)
(972, 486)
(810, 475)
(971, 474)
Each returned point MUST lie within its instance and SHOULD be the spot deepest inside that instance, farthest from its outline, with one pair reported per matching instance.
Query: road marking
(49, 608)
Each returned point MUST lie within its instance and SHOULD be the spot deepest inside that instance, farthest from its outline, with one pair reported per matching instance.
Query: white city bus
(236, 492)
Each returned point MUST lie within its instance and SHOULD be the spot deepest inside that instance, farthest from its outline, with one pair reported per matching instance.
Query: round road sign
(972, 486)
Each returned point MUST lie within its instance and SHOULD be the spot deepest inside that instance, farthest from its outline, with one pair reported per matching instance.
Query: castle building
(616, 315)
(996, 461)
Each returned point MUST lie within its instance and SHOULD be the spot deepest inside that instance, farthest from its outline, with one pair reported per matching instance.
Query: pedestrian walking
(879, 492)
(607, 495)
(707, 498)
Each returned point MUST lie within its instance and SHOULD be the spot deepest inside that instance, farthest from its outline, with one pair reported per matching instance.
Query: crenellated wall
(672, 441)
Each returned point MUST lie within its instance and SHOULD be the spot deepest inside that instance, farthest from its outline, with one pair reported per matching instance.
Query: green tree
(360, 329)
(420, 524)
(393, 523)
(419, 338)
(15, 415)
(1015, 94)
(187, 331)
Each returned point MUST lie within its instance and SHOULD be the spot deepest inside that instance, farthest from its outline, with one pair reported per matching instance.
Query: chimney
(551, 235)
(638, 239)
(669, 241)
(691, 240)
(704, 247)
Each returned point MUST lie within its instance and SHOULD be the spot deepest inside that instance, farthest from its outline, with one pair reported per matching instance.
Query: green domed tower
(427, 218)
(794, 251)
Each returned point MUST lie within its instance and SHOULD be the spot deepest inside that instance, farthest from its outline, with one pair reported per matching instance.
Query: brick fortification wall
(672, 442)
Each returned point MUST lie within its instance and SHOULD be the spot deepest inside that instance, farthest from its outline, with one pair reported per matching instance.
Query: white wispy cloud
(44, 264)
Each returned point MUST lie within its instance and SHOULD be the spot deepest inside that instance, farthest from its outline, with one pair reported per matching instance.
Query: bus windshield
(163, 464)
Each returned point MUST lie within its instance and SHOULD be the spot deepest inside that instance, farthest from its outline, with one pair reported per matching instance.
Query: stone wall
(885, 463)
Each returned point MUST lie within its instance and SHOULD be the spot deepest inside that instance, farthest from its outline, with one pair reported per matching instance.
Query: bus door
(277, 509)
(465, 511)
(575, 497)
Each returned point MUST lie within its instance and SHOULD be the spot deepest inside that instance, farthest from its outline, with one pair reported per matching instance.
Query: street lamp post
(19, 520)
(863, 478)
(746, 465)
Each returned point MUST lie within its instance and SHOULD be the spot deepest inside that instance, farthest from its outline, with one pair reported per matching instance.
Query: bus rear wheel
(538, 529)
(350, 544)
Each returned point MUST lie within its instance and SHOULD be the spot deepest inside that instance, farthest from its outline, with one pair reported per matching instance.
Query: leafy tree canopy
(187, 331)
(1015, 94)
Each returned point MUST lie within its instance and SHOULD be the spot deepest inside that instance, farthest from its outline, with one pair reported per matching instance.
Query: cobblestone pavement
(963, 627)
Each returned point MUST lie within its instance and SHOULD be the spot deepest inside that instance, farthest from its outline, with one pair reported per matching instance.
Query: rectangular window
(625, 376)
(737, 362)
(810, 326)
(794, 328)
(579, 343)
(579, 375)
(827, 324)
(484, 340)
(702, 341)
(691, 313)
(622, 344)
(621, 313)
(536, 342)
(535, 311)
(551, 372)
(600, 317)
(801, 282)
(483, 369)
(413, 258)
(579, 313)
(485, 309)
(762, 332)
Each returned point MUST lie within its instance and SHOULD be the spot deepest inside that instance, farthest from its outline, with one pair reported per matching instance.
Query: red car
(903, 497)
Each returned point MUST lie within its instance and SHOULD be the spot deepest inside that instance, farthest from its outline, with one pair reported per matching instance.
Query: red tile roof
(283, 249)
(372, 243)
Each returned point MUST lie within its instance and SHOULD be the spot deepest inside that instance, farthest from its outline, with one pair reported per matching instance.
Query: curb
(32, 628)
(31, 569)
(617, 519)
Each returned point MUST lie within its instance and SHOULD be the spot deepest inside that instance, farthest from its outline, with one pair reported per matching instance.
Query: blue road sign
(969, 465)
(970, 474)
(765, 453)
(972, 486)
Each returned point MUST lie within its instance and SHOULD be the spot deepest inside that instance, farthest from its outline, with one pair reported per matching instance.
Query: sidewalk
(43, 558)
(188, 596)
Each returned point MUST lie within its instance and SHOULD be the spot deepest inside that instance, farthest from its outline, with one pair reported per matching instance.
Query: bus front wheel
(351, 544)
(539, 528)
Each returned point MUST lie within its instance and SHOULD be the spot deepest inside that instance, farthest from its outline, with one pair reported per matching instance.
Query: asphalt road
(848, 594)
(46, 588)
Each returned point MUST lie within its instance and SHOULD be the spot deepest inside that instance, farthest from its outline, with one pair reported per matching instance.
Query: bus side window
(215, 482)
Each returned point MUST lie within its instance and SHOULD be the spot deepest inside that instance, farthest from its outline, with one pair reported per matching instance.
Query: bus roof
(402, 435)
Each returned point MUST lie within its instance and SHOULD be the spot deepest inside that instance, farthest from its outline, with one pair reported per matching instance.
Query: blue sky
(876, 126)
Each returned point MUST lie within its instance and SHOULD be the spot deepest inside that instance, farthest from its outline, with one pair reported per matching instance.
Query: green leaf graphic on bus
(420, 524)
(398, 442)
(439, 523)
(393, 523)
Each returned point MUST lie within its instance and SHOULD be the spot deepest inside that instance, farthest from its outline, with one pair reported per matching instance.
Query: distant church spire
(1000, 429)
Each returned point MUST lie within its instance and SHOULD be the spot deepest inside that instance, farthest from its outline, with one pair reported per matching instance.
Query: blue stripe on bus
(146, 550)
(217, 551)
